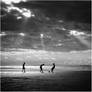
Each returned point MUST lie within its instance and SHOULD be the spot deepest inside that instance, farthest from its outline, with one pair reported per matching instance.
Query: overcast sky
(62, 28)
(65, 10)
(64, 24)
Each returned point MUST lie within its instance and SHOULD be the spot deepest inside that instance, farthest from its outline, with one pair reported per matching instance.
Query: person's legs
(24, 69)
(52, 70)
(41, 70)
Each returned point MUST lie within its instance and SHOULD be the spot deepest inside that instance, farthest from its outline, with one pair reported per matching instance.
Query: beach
(63, 79)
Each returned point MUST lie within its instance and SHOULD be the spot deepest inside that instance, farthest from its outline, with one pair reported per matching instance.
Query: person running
(41, 69)
(23, 67)
(53, 67)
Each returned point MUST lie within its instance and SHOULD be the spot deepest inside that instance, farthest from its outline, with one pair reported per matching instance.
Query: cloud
(13, 1)
(22, 34)
(76, 33)
(18, 12)
(3, 34)
(81, 36)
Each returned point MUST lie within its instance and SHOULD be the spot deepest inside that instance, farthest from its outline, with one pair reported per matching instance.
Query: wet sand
(36, 81)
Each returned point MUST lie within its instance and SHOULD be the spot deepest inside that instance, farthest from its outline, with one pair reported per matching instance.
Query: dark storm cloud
(9, 22)
(68, 10)
(78, 11)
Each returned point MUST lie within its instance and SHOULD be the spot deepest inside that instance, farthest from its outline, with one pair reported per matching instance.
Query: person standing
(53, 67)
(23, 67)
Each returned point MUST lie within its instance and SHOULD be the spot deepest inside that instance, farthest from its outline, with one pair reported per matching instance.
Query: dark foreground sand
(64, 81)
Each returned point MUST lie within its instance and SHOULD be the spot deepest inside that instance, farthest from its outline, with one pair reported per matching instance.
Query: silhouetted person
(23, 67)
(41, 69)
(53, 67)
